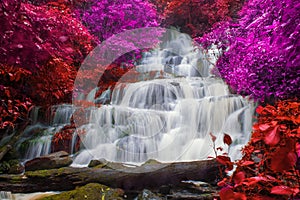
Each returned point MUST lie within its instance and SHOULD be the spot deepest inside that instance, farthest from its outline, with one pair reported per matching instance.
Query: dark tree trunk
(147, 176)
(11, 143)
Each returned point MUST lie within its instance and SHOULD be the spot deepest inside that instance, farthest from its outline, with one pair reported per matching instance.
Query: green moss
(92, 191)
(100, 166)
(151, 162)
(16, 178)
(41, 173)
(60, 171)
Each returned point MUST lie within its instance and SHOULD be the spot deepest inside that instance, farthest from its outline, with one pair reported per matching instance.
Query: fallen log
(149, 176)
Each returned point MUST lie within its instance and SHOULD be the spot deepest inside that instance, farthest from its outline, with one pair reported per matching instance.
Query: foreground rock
(92, 191)
(148, 195)
(150, 176)
(51, 161)
(193, 190)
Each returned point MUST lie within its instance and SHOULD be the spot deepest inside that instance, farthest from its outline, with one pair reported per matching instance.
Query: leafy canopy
(261, 50)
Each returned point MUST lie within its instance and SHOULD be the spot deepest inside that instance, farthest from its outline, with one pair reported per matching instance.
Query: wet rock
(91, 191)
(148, 195)
(190, 196)
(193, 190)
(165, 189)
(175, 84)
(199, 186)
(51, 161)
(99, 163)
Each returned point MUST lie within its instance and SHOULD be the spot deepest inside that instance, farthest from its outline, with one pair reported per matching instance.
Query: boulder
(55, 160)
(148, 195)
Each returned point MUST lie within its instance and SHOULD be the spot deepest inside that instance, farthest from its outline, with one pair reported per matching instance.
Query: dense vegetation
(261, 50)
(43, 43)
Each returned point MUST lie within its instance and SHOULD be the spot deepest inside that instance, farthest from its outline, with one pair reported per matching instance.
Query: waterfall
(169, 118)
(6, 195)
(37, 137)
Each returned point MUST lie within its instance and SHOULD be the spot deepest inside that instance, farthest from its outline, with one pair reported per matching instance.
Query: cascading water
(6, 195)
(168, 118)
(37, 138)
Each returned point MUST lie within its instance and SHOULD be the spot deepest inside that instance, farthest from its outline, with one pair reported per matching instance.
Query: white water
(167, 119)
(24, 196)
(6, 195)
(38, 136)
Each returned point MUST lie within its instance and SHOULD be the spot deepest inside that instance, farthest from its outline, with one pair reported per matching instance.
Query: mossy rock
(41, 173)
(91, 191)
(101, 163)
(151, 162)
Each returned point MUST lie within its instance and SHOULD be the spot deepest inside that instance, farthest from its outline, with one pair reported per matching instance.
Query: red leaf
(259, 109)
(284, 158)
(298, 149)
(260, 197)
(227, 139)
(246, 163)
(284, 190)
(272, 138)
(228, 194)
(223, 159)
(239, 177)
(264, 127)
(254, 180)
(220, 148)
(222, 183)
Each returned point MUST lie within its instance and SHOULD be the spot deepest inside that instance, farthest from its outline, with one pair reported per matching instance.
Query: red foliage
(227, 139)
(14, 105)
(228, 194)
(41, 48)
(62, 140)
(109, 77)
(269, 167)
(54, 83)
(198, 16)
(61, 4)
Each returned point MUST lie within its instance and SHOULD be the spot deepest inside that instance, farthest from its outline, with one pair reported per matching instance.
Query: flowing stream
(168, 118)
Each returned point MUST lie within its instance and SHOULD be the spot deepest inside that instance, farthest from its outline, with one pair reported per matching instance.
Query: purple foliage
(106, 18)
(261, 50)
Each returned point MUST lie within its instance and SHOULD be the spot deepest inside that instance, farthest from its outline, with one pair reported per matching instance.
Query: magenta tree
(261, 51)
(104, 18)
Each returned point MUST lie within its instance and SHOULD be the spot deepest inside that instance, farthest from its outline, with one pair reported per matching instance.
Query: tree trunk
(9, 145)
(128, 178)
